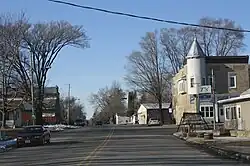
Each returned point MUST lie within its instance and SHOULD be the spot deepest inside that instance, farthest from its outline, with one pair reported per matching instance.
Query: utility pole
(197, 103)
(3, 93)
(32, 89)
(68, 114)
(213, 96)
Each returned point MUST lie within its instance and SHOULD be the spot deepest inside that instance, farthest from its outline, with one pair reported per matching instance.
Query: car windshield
(79, 121)
(32, 130)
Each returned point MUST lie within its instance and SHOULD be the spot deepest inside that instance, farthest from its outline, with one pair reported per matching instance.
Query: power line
(147, 18)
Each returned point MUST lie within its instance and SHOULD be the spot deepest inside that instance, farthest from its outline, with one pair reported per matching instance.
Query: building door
(239, 119)
(142, 119)
(221, 114)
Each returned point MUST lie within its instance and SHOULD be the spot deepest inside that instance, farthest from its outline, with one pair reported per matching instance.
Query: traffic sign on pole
(205, 89)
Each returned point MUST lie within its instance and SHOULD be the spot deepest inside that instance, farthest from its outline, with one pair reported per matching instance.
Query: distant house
(122, 119)
(151, 110)
(22, 111)
(236, 110)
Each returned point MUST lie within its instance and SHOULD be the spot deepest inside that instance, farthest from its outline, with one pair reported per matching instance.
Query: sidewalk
(228, 147)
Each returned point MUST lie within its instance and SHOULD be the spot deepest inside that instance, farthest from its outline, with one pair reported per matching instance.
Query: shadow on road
(70, 142)
(64, 143)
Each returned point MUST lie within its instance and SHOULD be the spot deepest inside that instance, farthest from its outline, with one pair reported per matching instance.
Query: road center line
(98, 147)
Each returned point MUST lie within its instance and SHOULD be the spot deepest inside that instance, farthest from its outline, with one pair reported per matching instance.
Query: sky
(115, 37)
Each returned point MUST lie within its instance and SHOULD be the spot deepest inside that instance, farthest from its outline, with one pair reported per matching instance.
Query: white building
(122, 119)
(196, 68)
(151, 110)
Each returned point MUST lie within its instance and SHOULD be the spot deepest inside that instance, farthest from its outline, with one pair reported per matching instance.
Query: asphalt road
(107, 146)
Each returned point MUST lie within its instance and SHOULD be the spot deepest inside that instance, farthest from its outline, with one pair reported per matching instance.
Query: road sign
(205, 89)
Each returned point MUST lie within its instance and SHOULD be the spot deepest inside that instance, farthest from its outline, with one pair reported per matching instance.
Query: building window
(181, 86)
(207, 111)
(227, 111)
(221, 112)
(202, 111)
(192, 82)
(232, 80)
(211, 111)
(233, 113)
(239, 115)
(203, 81)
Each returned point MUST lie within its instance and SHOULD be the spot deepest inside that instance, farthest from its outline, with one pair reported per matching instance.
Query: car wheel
(48, 141)
(43, 141)
(18, 145)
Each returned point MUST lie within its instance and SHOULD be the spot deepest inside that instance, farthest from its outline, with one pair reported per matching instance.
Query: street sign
(205, 89)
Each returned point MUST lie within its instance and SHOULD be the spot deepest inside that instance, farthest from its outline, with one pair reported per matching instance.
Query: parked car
(79, 122)
(7, 142)
(98, 123)
(154, 122)
(33, 135)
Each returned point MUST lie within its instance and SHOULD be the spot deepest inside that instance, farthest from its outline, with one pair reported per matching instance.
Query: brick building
(22, 111)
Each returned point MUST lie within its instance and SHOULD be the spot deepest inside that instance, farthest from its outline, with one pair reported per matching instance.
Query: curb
(218, 151)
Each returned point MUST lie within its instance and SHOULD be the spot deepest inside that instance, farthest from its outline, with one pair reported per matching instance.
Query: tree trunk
(39, 118)
(161, 111)
(6, 116)
(39, 106)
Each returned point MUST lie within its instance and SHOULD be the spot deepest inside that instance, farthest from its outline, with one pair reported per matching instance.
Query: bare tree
(176, 42)
(43, 42)
(146, 70)
(108, 101)
(77, 110)
(12, 93)
(133, 103)
(220, 42)
(175, 45)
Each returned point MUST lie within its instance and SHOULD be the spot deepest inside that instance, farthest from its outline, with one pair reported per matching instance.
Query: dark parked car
(98, 123)
(154, 122)
(33, 135)
(79, 122)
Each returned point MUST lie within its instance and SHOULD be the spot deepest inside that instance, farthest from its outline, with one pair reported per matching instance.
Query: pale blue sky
(114, 37)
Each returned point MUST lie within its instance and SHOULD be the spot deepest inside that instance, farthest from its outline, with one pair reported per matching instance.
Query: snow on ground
(60, 127)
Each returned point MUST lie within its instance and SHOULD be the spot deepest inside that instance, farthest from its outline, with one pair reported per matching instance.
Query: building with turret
(228, 76)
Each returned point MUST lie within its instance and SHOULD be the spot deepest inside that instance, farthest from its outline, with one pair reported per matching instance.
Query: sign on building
(10, 123)
(205, 89)
(202, 98)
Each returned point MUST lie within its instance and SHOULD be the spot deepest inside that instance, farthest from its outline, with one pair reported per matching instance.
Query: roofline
(156, 103)
(234, 99)
(170, 105)
(227, 59)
